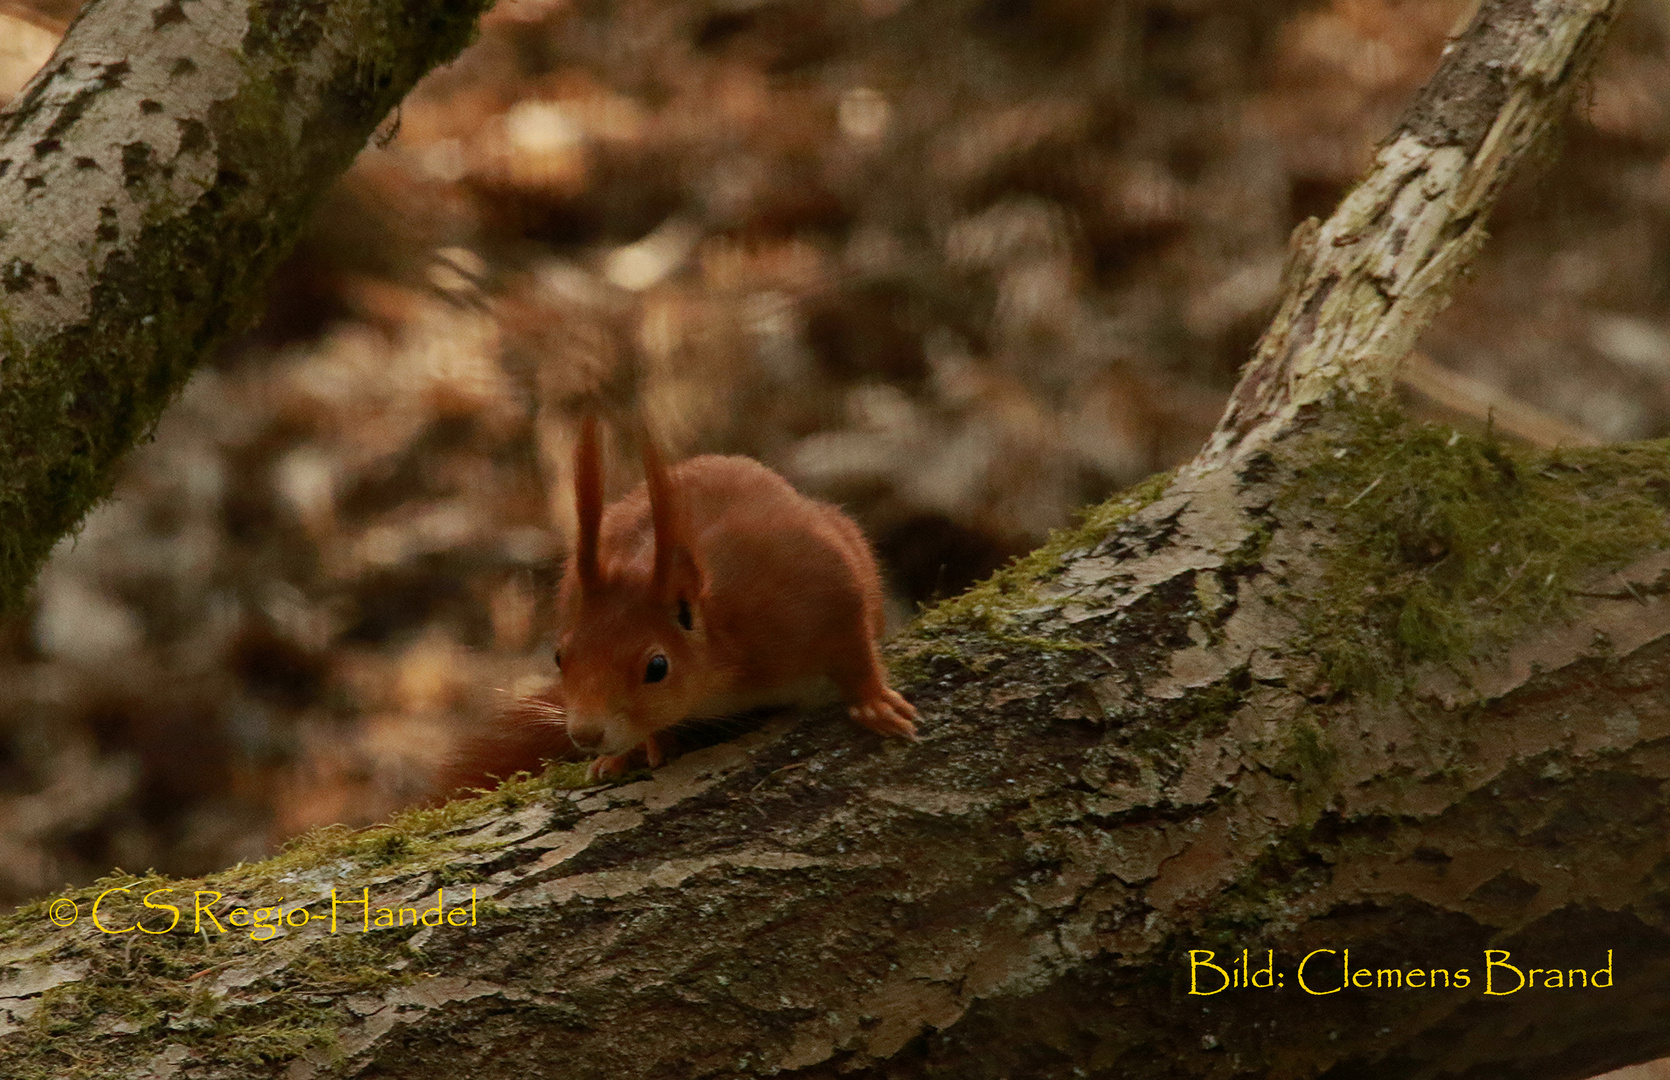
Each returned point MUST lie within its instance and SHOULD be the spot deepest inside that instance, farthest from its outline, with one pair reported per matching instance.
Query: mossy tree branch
(152, 174)
(1284, 703)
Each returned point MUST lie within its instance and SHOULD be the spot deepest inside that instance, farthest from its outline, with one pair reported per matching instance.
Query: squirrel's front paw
(887, 713)
(650, 752)
(609, 765)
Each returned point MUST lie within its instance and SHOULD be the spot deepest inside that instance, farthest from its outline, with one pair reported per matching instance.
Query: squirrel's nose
(585, 736)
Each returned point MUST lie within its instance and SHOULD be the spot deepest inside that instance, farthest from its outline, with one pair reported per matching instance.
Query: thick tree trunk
(151, 176)
(1380, 707)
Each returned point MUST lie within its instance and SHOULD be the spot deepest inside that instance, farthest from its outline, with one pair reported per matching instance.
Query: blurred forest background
(959, 265)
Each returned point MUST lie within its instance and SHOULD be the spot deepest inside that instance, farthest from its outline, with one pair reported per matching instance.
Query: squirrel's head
(632, 642)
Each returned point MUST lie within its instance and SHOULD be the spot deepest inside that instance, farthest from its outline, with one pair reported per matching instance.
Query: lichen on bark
(160, 190)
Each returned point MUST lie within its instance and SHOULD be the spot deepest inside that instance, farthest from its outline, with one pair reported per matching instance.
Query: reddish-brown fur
(522, 737)
(732, 587)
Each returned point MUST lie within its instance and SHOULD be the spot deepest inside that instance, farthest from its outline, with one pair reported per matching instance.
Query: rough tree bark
(1343, 684)
(151, 176)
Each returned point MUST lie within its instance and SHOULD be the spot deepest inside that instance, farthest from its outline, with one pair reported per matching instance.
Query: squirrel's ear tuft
(588, 502)
(677, 573)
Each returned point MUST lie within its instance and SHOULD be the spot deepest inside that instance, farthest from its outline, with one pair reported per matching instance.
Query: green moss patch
(154, 991)
(144, 991)
(991, 605)
(982, 623)
(420, 831)
(1440, 545)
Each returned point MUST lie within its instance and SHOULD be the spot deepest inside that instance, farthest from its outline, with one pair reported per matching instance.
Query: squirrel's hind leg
(862, 681)
(886, 713)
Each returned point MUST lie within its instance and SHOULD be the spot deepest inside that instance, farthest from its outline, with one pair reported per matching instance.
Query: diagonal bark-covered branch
(1363, 284)
(1020, 894)
(1349, 686)
(151, 176)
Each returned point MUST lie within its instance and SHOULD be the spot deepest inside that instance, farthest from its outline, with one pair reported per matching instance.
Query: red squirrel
(712, 588)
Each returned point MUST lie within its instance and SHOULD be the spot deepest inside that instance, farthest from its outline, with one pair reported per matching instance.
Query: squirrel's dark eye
(684, 618)
(657, 669)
